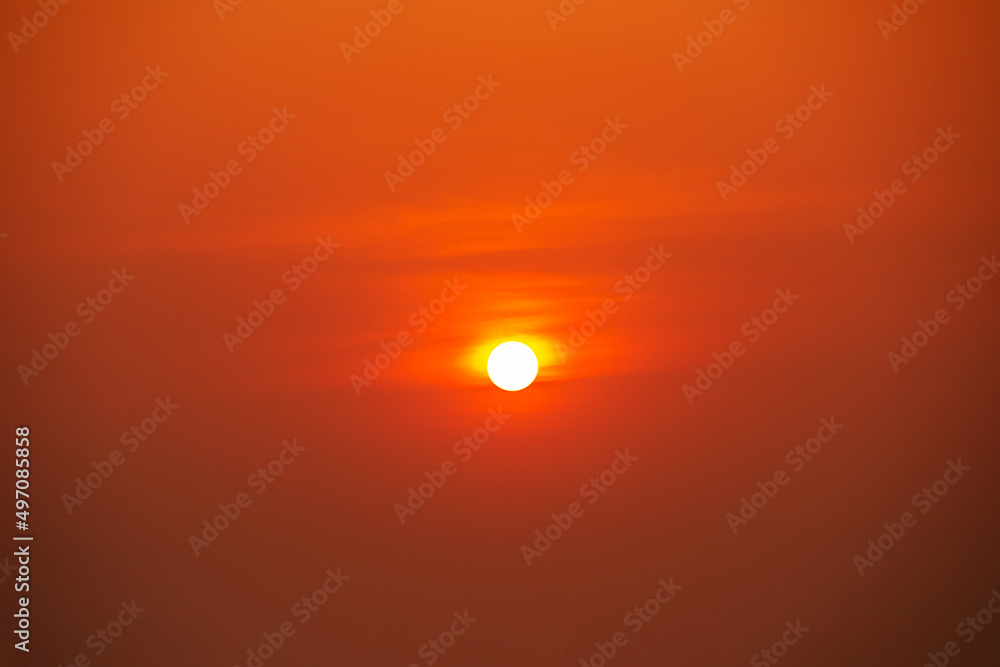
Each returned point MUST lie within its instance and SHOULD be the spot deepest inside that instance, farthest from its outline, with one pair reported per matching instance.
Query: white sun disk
(512, 366)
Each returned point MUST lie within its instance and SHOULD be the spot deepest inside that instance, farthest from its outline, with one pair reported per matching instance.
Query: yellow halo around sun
(512, 366)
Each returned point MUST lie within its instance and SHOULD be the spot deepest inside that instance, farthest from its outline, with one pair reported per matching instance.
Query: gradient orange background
(654, 186)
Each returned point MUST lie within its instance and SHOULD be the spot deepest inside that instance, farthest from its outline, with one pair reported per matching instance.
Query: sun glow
(512, 366)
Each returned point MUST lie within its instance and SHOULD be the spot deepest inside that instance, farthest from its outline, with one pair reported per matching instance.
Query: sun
(512, 366)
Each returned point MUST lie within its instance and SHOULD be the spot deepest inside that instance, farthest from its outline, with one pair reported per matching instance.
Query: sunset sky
(476, 173)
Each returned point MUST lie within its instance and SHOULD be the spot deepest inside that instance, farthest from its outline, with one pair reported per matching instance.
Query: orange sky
(656, 184)
(332, 128)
